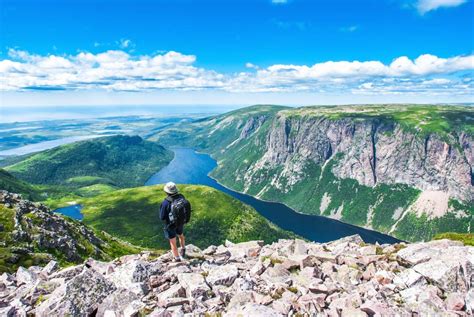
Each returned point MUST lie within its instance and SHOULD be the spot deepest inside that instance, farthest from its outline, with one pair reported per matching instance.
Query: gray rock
(24, 276)
(116, 303)
(194, 284)
(51, 267)
(241, 298)
(222, 275)
(174, 291)
(80, 296)
(469, 299)
(254, 310)
(276, 274)
(455, 301)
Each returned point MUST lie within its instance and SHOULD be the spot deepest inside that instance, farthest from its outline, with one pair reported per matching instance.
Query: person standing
(175, 212)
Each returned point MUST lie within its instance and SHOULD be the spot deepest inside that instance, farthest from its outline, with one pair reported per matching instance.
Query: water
(46, 145)
(73, 211)
(189, 167)
(37, 113)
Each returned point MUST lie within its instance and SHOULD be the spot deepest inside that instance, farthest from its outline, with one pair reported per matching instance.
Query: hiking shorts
(172, 231)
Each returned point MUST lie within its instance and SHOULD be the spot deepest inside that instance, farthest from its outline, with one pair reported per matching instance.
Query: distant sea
(38, 113)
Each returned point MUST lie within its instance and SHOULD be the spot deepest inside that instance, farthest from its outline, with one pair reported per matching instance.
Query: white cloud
(250, 65)
(424, 6)
(350, 29)
(125, 43)
(117, 70)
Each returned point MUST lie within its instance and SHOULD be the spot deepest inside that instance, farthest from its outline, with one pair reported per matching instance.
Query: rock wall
(372, 151)
(342, 278)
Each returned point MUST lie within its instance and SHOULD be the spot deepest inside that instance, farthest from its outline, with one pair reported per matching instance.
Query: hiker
(175, 211)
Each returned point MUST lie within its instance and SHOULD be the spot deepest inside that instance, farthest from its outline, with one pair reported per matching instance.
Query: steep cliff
(406, 170)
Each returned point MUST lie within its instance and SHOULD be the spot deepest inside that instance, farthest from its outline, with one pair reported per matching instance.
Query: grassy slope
(12, 184)
(466, 238)
(11, 260)
(132, 215)
(118, 161)
(215, 134)
(423, 119)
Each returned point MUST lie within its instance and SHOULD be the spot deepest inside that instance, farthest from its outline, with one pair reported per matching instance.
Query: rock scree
(345, 277)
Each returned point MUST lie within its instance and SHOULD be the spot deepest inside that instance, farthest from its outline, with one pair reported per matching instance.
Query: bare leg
(181, 240)
(174, 248)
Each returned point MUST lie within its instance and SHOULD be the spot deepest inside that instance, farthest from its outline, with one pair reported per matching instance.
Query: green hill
(32, 235)
(132, 215)
(12, 184)
(117, 161)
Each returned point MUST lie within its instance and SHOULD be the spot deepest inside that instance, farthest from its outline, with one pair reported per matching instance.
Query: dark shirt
(165, 208)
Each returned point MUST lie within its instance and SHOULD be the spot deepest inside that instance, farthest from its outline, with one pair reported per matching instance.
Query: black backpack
(180, 210)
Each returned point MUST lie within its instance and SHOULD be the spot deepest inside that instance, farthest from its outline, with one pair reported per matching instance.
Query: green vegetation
(466, 238)
(424, 119)
(414, 228)
(14, 253)
(10, 183)
(94, 166)
(132, 215)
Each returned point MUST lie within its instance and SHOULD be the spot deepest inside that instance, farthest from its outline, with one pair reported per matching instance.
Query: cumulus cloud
(424, 6)
(117, 70)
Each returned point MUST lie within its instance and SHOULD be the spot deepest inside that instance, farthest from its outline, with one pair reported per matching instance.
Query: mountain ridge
(311, 158)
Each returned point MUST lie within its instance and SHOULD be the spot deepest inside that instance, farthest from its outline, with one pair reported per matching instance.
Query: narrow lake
(189, 167)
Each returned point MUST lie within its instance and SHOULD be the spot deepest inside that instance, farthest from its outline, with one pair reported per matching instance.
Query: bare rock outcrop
(287, 278)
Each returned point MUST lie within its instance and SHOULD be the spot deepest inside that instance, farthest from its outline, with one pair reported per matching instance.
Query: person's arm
(163, 210)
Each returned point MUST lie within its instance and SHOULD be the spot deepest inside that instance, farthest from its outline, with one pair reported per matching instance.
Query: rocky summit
(287, 278)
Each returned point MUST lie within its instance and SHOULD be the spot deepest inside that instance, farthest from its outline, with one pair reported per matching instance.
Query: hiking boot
(178, 259)
(182, 252)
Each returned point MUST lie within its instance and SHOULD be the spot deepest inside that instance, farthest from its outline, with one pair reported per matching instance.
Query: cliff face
(371, 152)
(287, 278)
(404, 170)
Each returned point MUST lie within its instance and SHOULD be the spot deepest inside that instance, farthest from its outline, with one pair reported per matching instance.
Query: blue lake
(189, 167)
(73, 211)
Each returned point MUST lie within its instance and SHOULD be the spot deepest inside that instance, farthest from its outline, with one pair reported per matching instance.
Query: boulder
(134, 274)
(80, 296)
(276, 274)
(450, 271)
(24, 276)
(117, 303)
(469, 299)
(408, 278)
(174, 291)
(193, 252)
(455, 301)
(51, 267)
(424, 251)
(222, 275)
(241, 298)
(69, 272)
(194, 284)
(254, 310)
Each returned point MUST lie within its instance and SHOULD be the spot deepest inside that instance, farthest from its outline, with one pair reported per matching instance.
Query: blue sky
(292, 52)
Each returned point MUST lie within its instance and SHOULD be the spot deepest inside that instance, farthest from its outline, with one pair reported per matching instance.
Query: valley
(400, 169)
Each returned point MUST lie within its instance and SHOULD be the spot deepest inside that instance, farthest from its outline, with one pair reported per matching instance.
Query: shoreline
(281, 203)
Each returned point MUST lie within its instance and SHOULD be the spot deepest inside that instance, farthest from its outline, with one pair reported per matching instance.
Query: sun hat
(170, 188)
